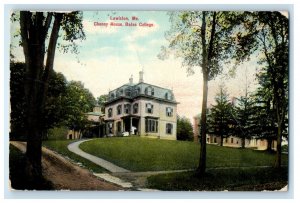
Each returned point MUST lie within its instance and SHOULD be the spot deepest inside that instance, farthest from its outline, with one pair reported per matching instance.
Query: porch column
(130, 126)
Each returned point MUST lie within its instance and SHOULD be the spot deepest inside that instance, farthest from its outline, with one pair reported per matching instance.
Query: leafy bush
(58, 133)
(184, 129)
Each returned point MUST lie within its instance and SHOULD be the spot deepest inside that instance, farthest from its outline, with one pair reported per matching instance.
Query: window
(127, 108)
(171, 96)
(149, 91)
(231, 140)
(149, 108)
(138, 90)
(112, 96)
(169, 128)
(215, 140)
(110, 112)
(169, 111)
(167, 95)
(119, 109)
(127, 92)
(152, 91)
(151, 125)
(135, 108)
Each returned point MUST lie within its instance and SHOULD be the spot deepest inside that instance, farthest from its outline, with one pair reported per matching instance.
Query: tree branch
(47, 23)
(51, 53)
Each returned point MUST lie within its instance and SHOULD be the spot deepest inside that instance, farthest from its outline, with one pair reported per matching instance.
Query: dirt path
(65, 175)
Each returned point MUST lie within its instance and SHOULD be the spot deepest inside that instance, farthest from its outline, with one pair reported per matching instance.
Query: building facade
(231, 141)
(94, 128)
(141, 109)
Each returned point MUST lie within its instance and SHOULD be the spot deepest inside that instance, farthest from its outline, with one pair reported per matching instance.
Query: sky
(111, 54)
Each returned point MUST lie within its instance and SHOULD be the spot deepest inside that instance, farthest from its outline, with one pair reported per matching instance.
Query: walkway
(74, 147)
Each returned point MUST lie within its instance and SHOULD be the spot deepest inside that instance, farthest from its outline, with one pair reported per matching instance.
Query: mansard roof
(131, 91)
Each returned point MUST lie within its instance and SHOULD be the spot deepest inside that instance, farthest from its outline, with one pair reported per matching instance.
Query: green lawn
(243, 179)
(61, 147)
(143, 154)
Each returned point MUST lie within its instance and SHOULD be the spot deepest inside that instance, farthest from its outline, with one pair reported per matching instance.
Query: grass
(143, 154)
(19, 179)
(245, 179)
(61, 147)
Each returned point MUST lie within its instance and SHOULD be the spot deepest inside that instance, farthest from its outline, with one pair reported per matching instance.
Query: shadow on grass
(249, 179)
(17, 175)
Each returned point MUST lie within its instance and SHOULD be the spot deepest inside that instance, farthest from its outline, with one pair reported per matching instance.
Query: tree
(243, 117)
(36, 27)
(101, 100)
(53, 107)
(184, 128)
(78, 101)
(206, 40)
(264, 119)
(55, 103)
(219, 119)
(17, 100)
(271, 39)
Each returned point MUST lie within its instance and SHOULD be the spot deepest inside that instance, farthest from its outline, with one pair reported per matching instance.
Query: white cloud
(141, 31)
(137, 33)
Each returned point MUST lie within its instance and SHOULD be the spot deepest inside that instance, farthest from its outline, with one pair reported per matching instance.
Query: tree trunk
(269, 144)
(243, 142)
(221, 143)
(33, 41)
(202, 161)
(34, 29)
(278, 147)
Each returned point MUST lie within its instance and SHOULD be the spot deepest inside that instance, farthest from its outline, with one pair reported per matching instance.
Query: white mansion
(141, 109)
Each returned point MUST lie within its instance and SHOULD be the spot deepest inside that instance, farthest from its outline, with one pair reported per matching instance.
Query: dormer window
(149, 108)
(152, 91)
(112, 95)
(127, 92)
(167, 95)
(171, 96)
(149, 91)
(138, 90)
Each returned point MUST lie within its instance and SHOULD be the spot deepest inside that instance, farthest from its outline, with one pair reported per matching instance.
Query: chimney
(131, 80)
(141, 76)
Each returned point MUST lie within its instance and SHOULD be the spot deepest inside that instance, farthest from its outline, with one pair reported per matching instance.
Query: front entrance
(131, 125)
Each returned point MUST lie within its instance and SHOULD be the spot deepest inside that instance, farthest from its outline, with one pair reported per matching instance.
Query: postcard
(186, 100)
